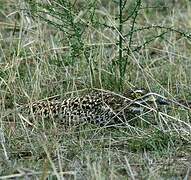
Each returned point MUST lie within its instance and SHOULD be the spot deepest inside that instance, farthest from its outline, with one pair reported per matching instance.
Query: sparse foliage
(60, 47)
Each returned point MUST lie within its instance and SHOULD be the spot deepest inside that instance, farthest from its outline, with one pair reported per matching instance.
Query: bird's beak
(162, 101)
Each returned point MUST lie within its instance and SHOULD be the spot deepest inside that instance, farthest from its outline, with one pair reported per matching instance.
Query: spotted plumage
(99, 107)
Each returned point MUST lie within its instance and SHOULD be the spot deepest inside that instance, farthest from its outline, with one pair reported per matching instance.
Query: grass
(39, 59)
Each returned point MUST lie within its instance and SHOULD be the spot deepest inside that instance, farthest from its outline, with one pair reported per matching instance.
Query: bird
(99, 107)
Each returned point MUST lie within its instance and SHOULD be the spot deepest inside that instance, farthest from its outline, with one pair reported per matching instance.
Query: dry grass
(36, 62)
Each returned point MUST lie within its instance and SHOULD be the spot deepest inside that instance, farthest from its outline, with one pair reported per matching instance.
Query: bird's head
(141, 99)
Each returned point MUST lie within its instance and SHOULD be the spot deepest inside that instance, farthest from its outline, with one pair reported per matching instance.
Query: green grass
(39, 60)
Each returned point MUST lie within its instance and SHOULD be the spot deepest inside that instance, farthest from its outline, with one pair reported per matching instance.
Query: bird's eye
(137, 95)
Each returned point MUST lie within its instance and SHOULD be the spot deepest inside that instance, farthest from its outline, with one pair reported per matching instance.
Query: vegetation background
(60, 47)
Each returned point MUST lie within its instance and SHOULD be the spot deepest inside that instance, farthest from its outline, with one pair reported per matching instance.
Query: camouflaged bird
(99, 107)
